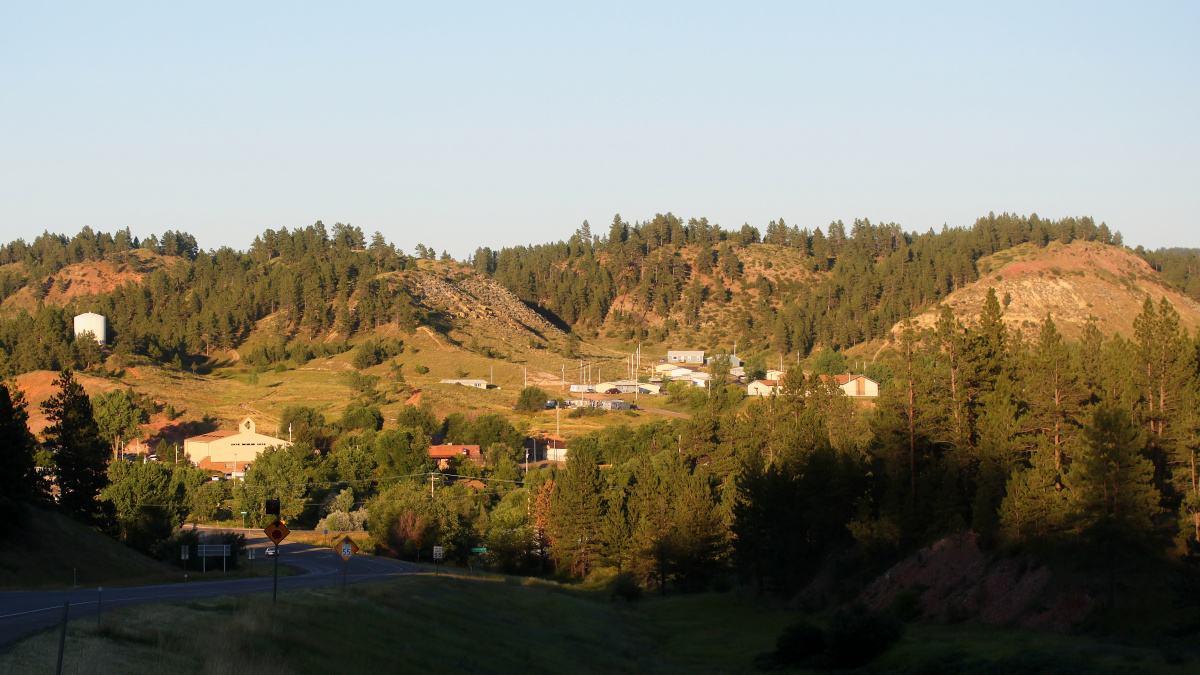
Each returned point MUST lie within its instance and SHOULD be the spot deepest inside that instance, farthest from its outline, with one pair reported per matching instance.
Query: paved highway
(23, 612)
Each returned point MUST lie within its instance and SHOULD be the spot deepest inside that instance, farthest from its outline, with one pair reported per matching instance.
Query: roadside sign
(213, 550)
(418, 543)
(276, 531)
(479, 549)
(348, 548)
(249, 554)
(244, 512)
(437, 552)
(183, 552)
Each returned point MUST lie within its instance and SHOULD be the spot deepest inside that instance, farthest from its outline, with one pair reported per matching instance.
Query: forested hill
(784, 290)
(788, 289)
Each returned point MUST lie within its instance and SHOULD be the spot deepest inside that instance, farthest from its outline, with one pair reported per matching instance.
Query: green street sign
(479, 549)
(243, 513)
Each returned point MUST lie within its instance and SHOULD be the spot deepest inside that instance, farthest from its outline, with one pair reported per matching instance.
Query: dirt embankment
(954, 580)
(484, 303)
(1069, 282)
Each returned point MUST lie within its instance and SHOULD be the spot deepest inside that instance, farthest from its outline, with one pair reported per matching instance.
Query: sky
(460, 125)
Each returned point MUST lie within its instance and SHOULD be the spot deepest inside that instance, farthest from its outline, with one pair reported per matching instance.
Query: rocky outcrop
(956, 581)
(485, 304)
(1069, 282)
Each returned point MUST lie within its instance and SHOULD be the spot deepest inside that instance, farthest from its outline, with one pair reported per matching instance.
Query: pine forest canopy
(647, 278)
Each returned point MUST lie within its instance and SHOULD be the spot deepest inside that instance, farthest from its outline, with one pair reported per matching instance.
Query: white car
(270, 551)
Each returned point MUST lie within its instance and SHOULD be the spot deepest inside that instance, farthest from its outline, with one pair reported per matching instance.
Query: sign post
(276, 532)
(347, 549)
(250, 558)
(437, 560)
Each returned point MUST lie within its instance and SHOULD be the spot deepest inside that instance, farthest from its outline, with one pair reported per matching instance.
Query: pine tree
(949, 341)
(19, 480)
(80, 455)
(1053, 391)
(1113, 483)
(577, 513)
(1036, 506)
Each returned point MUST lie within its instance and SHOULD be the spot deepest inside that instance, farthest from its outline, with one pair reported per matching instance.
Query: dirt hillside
(88, 278)
(1070, 282)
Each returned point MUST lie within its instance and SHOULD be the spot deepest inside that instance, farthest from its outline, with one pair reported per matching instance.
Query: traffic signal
(273, 507)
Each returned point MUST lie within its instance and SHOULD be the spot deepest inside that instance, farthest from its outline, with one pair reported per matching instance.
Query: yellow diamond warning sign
(276, 531)
(347, 548)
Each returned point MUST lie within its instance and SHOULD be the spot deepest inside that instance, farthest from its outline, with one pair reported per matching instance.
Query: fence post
(62, 638)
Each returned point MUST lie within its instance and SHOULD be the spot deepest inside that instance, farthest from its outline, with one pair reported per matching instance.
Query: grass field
(460, 623)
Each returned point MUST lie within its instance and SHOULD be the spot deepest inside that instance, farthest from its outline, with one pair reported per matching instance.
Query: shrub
(532, 399)
(799, 643)
(624, 586)
(420, 370)
(854, 638)
(857, 635)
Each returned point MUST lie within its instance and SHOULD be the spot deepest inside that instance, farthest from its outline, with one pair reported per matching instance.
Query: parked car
(271, 550)
(614, 390)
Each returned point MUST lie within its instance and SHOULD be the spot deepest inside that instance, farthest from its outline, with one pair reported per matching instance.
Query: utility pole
(526, 376)
(564, 377)
(431, 478)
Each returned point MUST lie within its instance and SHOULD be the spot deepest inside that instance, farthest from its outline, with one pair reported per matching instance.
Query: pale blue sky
(459, 125)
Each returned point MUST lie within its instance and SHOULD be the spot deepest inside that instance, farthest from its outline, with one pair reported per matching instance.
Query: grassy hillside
(42, 556)
(470, 624)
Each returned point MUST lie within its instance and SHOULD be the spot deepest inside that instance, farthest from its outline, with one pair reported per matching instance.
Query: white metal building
(685, 356)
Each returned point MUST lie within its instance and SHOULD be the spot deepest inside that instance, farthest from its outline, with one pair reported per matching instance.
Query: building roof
(448, 451)
(212, 436)
(769, 383)
(685, 351)
(847, 378)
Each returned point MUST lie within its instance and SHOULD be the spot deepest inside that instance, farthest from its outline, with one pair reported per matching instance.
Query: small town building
(230, 452)
(613, 404)
(478, 384)
(554, 448)
(685, 356)
(622, 387)
(600, 404)
(773, 374)
(857, 385)
(734, 361)
(738, 372)
(442, 454)
(763, 388)
(583, 388)
(94, 323)
(650, 388)
(680, 373)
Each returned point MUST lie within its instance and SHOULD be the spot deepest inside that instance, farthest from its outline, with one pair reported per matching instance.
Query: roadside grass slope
(41, 556)
(470, 624)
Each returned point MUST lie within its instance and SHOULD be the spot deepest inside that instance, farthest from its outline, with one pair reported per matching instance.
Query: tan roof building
(229, 452)
(442, 454)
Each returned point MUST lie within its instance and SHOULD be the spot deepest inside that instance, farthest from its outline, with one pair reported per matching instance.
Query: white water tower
(93, 322)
